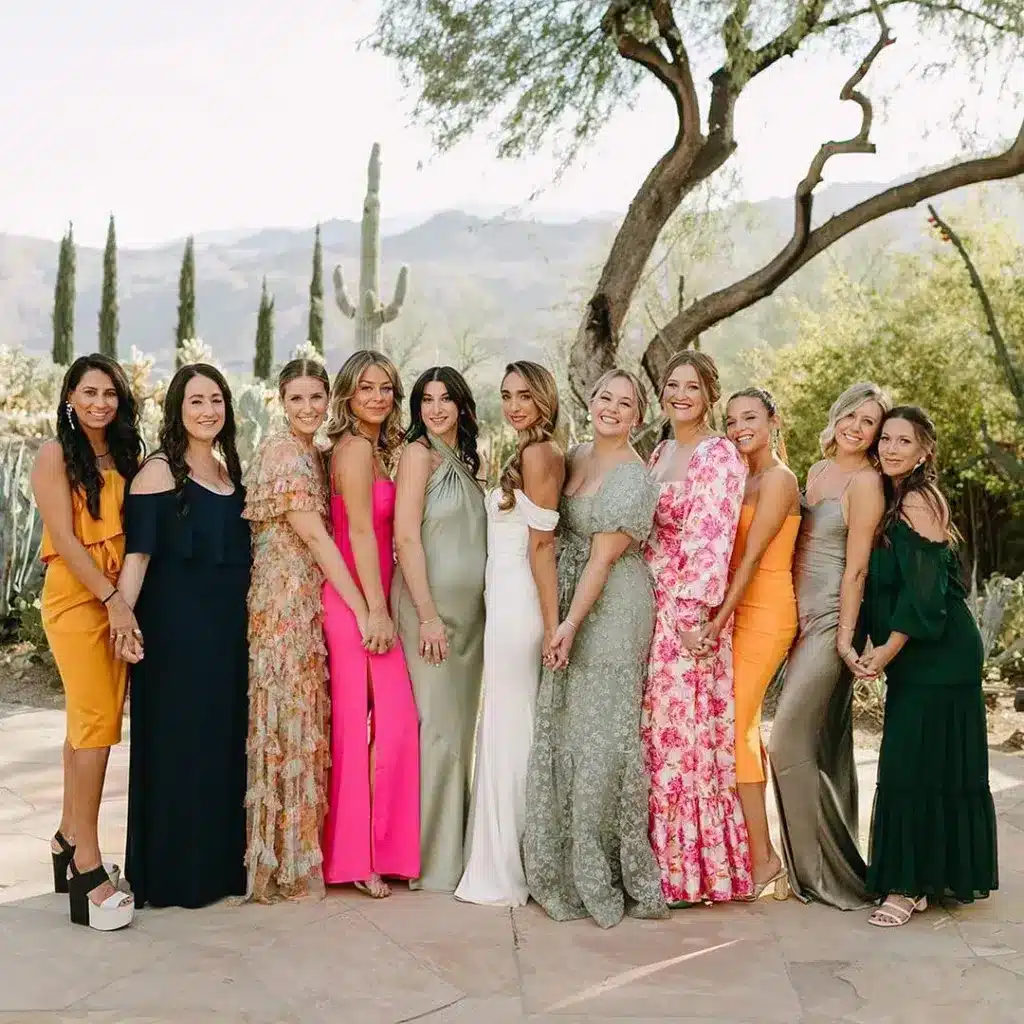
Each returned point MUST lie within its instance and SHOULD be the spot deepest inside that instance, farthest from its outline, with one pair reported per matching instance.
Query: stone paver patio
(421, 957)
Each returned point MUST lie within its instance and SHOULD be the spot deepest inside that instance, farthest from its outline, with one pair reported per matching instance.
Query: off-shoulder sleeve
(282, 478)
(627, 501)
(537, 518)
(715, 482)
(921, 601)
(146, 521)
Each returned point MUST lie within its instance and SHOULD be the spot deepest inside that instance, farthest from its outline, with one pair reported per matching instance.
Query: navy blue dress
(189, 698)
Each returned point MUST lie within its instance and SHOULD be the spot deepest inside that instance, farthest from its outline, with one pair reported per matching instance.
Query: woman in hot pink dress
(688, 716)
(373, 816)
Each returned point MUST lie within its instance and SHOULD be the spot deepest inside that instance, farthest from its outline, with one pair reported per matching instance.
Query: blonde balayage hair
(851, 399)
(342, 420)
(638, 389)
(544, 392)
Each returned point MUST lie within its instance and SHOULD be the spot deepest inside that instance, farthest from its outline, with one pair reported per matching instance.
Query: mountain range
(508, 283)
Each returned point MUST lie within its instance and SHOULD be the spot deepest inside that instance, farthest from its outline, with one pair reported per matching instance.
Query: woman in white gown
(522, 616)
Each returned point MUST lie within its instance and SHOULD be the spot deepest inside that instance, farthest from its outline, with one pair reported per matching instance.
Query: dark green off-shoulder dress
(933, 827)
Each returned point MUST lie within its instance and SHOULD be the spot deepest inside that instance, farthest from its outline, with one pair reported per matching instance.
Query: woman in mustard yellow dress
(79, 481)
(762, 600)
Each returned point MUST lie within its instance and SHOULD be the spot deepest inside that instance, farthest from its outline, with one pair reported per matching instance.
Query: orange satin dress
(763, 631)
(76, 622)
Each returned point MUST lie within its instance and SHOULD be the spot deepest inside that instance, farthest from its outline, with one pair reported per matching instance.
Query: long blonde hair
(851, 399)
(544, 392)
(342, 421)
(638, 389)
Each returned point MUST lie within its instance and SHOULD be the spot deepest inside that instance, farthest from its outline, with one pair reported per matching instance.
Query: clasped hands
(868, 665)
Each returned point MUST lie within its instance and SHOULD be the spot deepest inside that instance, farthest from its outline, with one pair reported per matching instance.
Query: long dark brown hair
(923, 479)
(467, 430)
(122, 434)
(174, 436)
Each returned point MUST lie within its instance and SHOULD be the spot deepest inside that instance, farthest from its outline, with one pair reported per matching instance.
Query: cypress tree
(186, 299)
(316, 296)
(109, 320)
(264, 359)
(64, 302)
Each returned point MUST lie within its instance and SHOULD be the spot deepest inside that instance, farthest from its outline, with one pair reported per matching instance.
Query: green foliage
(316, 296)
(109, 321)
(63, 352)
(264, 358)
(551, 70)
(186, 329)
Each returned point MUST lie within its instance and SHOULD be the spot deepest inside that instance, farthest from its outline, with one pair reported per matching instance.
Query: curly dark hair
(174, 436)
(124, 441)
(467, 429)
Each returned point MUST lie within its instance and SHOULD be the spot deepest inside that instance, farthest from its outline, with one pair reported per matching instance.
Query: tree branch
(1013, 380)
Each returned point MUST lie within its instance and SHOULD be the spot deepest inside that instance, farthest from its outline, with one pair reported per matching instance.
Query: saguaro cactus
(369, 313)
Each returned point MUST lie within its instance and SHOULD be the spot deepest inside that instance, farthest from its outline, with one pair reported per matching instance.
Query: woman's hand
(872, 664)
(125, 635)
(850, 658)
(433, 641)
(380, 631)
(561, 645)
(707, 638)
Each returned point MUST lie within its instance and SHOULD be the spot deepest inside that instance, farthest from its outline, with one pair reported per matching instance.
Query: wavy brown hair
(123, 438)
(174, 437)
(767, 399)
(544, 391)
(342, 421)
(922, 479)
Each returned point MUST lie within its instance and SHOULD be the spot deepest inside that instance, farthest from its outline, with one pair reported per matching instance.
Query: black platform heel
(115, 912)
(61, 862)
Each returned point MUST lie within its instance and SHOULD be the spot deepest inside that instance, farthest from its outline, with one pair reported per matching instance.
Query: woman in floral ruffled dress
(289, 741)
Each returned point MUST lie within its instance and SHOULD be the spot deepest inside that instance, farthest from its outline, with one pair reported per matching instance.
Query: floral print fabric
(288, 742)
(688, 717)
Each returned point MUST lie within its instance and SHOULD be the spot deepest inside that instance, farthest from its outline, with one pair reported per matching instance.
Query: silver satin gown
(811, 744)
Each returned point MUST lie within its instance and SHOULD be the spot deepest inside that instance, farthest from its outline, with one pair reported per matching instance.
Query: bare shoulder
(780, 480)
(924, 517)
(416, 459)
(867, 484)
(543, 457)
(50, 455)
(154, 477)
(815, 470)
(353, 452)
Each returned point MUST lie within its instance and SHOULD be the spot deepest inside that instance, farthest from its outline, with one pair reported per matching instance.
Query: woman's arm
(605, 550)
(543, 479)
(352, 470)
(311, 531)
(778, 489)
(414, 469)
(866, 504)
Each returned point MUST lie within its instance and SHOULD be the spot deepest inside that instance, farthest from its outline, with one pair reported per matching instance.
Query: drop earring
(68, 411)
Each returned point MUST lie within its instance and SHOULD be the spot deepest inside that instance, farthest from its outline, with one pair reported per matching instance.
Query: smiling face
(203, 409)
(439, 411)
(855, 432)
(305, 405)
(517, 403)
(374, 398)
(614, 409)
(748, 425)
(900, 450)
(682, 398)
(94, 400)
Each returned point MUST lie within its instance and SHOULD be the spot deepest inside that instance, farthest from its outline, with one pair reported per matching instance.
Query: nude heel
(781, 890)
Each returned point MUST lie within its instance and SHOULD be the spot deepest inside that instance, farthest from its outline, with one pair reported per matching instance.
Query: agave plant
(20, 527)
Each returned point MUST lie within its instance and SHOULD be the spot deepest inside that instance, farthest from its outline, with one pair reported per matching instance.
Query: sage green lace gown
(586, 847)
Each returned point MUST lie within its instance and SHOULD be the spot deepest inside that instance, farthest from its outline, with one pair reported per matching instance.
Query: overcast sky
(196, 115)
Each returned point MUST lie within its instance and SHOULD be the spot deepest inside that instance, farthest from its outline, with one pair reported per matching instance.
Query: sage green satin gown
(454, 534)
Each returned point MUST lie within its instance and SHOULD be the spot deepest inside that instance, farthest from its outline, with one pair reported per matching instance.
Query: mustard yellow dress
(764, 627)
(76, 624)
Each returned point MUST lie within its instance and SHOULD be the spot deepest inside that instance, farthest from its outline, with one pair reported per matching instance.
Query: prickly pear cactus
(369, 313)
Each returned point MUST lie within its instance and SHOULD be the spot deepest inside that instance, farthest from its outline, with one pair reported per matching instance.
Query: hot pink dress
(356, 843)
(687, 720)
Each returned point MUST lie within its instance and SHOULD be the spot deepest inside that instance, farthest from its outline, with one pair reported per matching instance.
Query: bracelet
(852, 628)
(430, 622)
(110, 596)
(571, 624)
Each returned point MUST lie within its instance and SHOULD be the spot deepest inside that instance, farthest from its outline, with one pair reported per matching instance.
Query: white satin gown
(513, 637)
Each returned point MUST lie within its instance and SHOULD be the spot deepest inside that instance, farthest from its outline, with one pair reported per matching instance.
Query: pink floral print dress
(687, 720)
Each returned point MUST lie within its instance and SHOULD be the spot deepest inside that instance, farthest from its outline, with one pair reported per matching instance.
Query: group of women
(355, 665)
